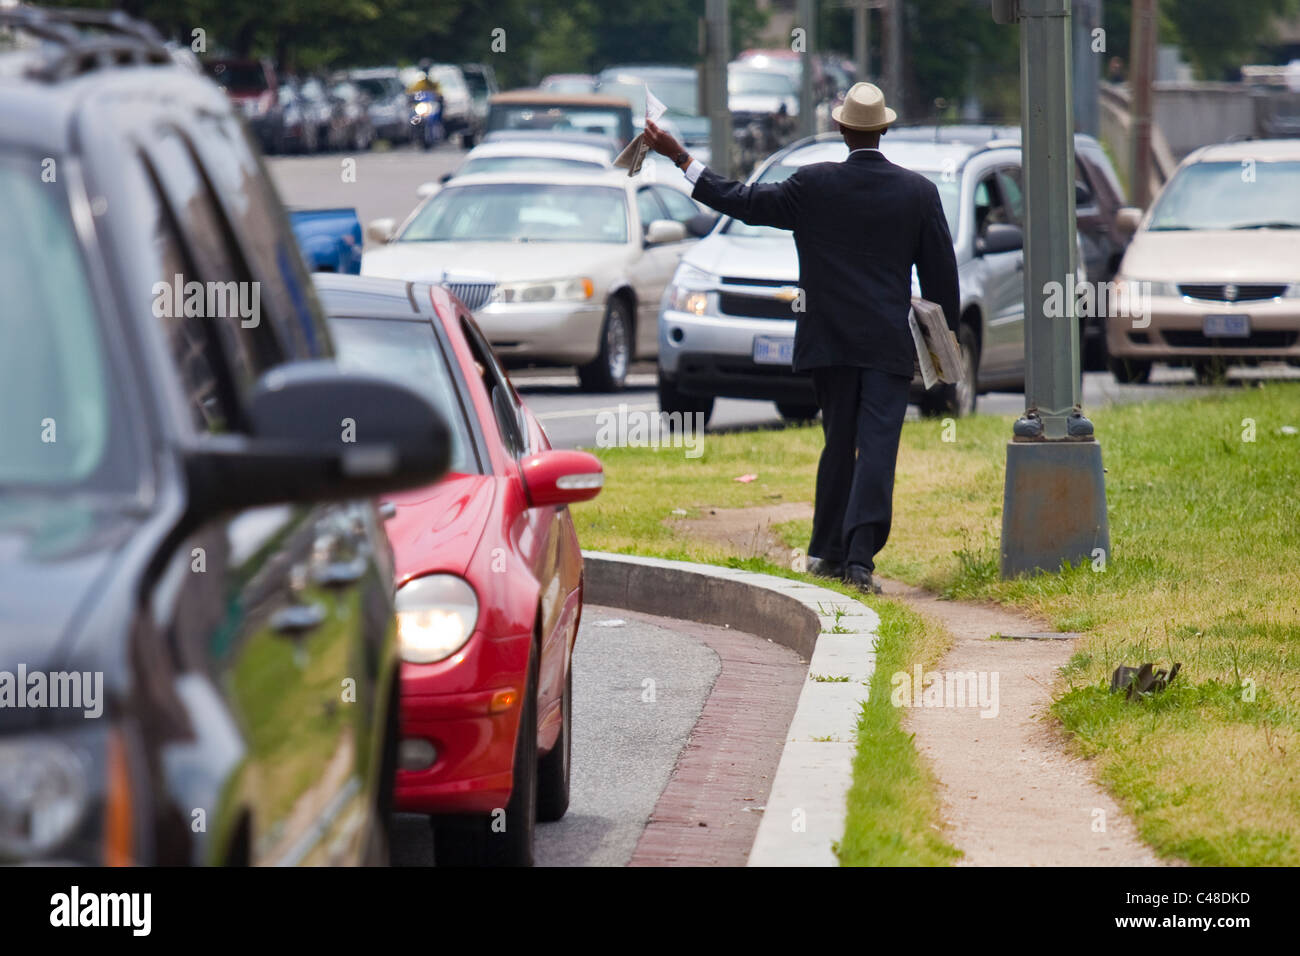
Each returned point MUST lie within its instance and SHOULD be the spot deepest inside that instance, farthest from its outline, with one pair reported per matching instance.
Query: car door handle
(297, 619)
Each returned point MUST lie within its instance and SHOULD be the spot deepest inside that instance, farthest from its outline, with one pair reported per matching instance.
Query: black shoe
(821, 568)
(859, 576)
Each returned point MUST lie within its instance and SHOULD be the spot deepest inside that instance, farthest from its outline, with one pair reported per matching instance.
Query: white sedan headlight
(1292, 291)
(577, 289)
(1150, 287)
(436, 615)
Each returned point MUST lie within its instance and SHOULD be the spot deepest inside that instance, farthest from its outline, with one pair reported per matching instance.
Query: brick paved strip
(805, 810)
(708, 814)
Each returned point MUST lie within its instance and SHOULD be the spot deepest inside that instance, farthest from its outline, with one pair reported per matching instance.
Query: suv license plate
(1227, 326)
(773, 350)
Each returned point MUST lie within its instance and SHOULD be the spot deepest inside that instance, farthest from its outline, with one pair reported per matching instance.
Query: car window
(1012, 195)
(261, 228)
(1217, 195)
(504, 407)
(62, 423)
(521, 212)
(679, 204)
(648, 207)
(408, 352)
(497, 164)
(221, 288)
(988, 204)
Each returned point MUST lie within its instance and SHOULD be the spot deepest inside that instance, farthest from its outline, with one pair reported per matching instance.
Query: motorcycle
(426, 119)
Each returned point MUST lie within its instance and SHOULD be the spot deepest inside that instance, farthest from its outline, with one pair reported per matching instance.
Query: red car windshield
(409, 352)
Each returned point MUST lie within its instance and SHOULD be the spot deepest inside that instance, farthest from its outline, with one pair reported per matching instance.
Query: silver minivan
(727, 319)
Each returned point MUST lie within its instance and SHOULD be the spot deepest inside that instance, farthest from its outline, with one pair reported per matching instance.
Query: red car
(489, 579)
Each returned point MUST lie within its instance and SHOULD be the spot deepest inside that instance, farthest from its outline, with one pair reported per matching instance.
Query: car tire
(554, 770)
(680, 405)
(608, 371)
(477, 843)
(1129, 371)
(794, 412)
(956, 400)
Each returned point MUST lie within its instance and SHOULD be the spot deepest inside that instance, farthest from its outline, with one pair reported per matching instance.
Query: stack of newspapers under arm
(938, 357)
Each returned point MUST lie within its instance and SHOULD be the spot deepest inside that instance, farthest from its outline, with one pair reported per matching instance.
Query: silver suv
(726, 321)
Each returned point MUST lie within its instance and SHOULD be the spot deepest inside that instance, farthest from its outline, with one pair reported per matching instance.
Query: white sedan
(559, 268)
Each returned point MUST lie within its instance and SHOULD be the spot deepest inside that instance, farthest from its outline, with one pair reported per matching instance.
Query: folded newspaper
(938, 357)
(635, 152)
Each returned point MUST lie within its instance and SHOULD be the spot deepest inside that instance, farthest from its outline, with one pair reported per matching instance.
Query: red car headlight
(436, 615)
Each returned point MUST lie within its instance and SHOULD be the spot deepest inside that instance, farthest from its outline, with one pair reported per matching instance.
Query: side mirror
(1128, 219)
(318, 434)
(561, 477)
(381, 230)
(999, 237)
(1082, 194)
(664, 230)
(699, 226)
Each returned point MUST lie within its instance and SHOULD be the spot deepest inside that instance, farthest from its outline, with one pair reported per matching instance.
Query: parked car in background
(568, 83)
(535, 153)
(197, 539)
(330, 239)
(390, 110)
(321, 112)
(489, 578)
(300, 131)
(482, 82)
(726, 326)
(764, 104)
(253, 87)
(537, 111)
(570, 266)
(1219, 255)
(351, 117)
(459, 116)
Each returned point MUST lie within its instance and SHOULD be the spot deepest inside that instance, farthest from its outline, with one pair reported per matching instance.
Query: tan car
(1212, 276)
(559, 268)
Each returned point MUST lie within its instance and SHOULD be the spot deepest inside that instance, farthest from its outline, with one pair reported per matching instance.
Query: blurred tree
(953, 48)
(1217, 38)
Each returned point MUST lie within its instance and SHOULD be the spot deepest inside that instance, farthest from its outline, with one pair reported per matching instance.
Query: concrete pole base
(1053, 506)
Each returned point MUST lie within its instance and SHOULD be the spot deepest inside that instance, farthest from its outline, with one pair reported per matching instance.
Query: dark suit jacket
(859, 226)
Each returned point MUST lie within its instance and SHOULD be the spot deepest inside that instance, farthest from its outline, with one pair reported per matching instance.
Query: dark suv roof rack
(120, 40)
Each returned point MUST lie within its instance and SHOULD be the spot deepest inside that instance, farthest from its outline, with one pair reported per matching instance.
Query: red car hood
(438, 528)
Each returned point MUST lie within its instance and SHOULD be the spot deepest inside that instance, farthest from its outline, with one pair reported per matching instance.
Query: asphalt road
(383, 184)
(624, 745)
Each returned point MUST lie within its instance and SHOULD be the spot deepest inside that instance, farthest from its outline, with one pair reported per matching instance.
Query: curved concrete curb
(805, 810)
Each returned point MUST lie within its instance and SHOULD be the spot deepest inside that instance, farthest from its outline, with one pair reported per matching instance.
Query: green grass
(1205, 534)
(893, 813)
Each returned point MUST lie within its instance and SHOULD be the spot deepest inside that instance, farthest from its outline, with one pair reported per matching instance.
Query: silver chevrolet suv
(727, 319)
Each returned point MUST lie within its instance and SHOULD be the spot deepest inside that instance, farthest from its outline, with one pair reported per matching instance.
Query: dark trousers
(862, 418)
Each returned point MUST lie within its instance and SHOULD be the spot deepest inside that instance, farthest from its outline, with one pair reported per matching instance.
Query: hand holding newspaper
(635, 153)
(938, 356)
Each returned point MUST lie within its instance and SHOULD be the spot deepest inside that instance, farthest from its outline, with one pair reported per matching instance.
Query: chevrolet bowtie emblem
(787, 293)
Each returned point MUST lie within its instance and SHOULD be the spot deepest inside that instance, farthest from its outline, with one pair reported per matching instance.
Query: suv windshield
(62, 416)
(759, 82)
(949, 194)
(600, 120)
(1219, 195)
(521, 212)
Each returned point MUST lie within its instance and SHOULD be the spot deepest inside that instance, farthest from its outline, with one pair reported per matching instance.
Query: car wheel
(502, 839)
(956, 400)
(679, 405)
(1129, 371)
(608, 371)
(794, 412)
(553, 770)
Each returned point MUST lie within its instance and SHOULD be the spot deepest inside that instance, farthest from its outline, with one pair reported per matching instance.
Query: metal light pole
(715, 46)
(807, 19)
(1141, 72)
(1054, 507)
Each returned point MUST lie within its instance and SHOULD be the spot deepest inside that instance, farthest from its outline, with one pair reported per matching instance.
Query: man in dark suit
(859, 227)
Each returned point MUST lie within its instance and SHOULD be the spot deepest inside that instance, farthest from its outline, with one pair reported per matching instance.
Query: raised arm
(762, 204)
